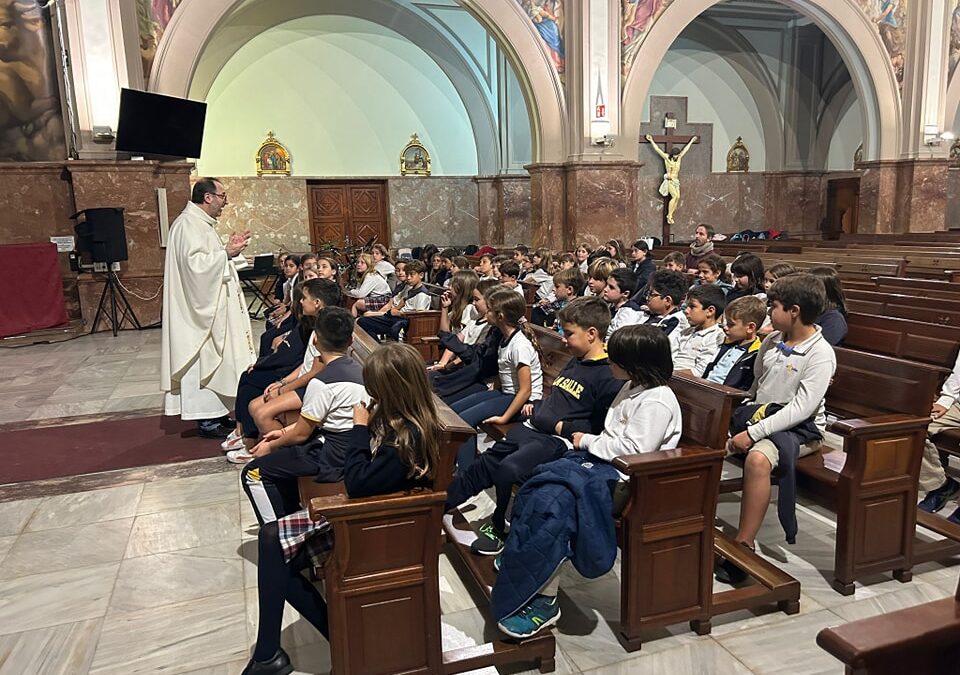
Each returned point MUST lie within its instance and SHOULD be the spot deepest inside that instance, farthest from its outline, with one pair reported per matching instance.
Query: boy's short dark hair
(510, 268)
(334, 328)
(674, 257)
(626, 280)
(415, 266)
(589, 312)
(644, 352)
(669, 283)
(571, 277)
(748, 309)
(641, 245)
(327, 291)
(448, 253)
(488, 256)
(802, 290)
(520, 248)
(709, 295)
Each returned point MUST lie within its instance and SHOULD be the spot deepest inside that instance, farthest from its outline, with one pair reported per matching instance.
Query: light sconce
(933, 137)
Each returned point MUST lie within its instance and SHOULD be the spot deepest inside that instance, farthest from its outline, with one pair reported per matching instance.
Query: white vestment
(207, 339)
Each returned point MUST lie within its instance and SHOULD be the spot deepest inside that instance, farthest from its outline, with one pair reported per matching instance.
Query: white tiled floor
(160, 576)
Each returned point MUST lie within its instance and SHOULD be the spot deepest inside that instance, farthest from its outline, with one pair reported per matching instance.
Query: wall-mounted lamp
(103, 134)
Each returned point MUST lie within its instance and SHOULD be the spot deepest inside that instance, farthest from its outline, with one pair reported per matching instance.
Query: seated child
(833, 321)
(641, 264)
(567, 285)
(621, 285)
(510, 276)
(695, 346)
(382, 261)
(541, 261)
(473, 331)
(597, 275)
(315, 444)
(456, 304)
(413, 297)
(393, 447)
(747, 272)
(373, 290)
(713, 270)
(793, 370)
(733, 365)
(944, 415)
(568, 261)
(665, 294)
(484, 268)
(578, 401)
(644, 417)
(521, 376)
(674, 262)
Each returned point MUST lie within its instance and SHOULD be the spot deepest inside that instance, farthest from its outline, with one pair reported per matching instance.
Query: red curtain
(31, 288)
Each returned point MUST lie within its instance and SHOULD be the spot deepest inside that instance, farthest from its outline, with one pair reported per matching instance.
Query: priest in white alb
(207, 339)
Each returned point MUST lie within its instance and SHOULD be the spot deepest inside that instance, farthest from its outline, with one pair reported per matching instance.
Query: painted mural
(638, 17)
(890, 17)
(31, 124)
(153, 16)
(547, 18)
(954, 37)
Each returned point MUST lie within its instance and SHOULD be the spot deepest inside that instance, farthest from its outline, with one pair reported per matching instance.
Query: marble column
(513, 207)
(905, 196)
(548, 207)
(133, 187)
(602, 202)
(794, 200)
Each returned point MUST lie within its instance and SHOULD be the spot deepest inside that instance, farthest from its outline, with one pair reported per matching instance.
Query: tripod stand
(112, 289)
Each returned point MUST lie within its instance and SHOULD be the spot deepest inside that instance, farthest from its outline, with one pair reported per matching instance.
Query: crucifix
(671, 156)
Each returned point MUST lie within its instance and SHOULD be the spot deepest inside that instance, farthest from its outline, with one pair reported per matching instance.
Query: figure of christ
(670, 187)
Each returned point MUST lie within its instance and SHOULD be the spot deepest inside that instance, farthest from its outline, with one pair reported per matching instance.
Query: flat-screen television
(154, 124)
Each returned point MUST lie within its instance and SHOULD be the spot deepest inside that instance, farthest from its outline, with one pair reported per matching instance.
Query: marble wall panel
(928, 196)
(513, 203)
(490, 226)
(440, 210)
(274, 208)
(602, 201)
(794, 202)
(952, 206)
(548, 207)
(37, 201)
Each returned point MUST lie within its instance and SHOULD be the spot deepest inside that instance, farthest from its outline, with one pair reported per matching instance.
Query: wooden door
(348, 210)
(843, 206)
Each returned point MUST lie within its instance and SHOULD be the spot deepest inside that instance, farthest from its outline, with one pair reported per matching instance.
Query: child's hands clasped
(361, 415)
(740, 443)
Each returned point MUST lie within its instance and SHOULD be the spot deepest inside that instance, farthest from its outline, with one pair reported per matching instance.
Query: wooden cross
(667, 140)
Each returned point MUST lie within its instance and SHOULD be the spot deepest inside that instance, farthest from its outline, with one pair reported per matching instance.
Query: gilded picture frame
(273, 158)
(415, 158)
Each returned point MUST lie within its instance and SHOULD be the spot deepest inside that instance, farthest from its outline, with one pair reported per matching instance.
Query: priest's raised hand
(237, 242)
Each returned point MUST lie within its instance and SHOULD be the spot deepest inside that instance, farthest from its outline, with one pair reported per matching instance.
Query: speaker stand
(108, 306)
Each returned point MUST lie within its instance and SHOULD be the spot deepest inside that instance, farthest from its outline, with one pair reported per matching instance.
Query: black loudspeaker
(102, 234)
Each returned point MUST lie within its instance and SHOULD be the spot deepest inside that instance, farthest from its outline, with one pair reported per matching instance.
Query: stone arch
(748, 64)
(194, 23)
(845, 25)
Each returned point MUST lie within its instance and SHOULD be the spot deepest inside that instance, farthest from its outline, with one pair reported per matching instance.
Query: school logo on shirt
(572, 387)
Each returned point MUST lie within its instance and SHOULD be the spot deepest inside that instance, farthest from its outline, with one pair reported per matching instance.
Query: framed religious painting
(414, 159)
(273, 158)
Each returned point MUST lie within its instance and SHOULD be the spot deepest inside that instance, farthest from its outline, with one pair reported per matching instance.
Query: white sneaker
(241, 456)
(232, 443)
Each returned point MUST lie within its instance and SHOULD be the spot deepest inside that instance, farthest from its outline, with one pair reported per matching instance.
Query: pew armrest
(880, 424)
(341, 507)
(867, 643)
(633, 465)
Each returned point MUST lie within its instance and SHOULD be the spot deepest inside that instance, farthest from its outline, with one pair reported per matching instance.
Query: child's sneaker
(232, 443)
(541, 612)
(241, 456)
(490, 541)
(497, 562)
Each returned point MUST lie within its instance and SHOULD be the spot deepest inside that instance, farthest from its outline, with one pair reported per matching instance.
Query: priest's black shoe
(213, 429)
(278, 665)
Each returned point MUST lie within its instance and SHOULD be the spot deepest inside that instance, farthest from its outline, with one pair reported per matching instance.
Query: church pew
(423, 325)
(930, 343)
(930, 287)
(384, 571)
(654, 531)
(920, 639)
(913, 307)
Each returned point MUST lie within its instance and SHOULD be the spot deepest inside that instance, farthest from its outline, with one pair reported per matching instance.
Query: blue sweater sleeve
(366, 474)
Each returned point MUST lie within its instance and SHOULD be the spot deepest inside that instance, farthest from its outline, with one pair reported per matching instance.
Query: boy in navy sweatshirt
(578, 402)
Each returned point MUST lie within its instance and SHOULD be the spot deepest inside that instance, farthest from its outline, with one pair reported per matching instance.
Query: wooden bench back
(870, 384)
(905, 306)
(912, 340)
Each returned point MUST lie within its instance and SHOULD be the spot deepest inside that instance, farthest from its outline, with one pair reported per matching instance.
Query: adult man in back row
(207, 342)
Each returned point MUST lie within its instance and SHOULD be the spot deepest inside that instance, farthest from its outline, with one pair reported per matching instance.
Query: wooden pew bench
(424, 326)
(384, 572)
(930, 287)
(666, 536)
(912, 340)
(920, 639)
(907, 305)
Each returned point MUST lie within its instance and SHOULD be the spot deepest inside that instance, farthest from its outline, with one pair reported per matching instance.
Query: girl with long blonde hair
(372, 288)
